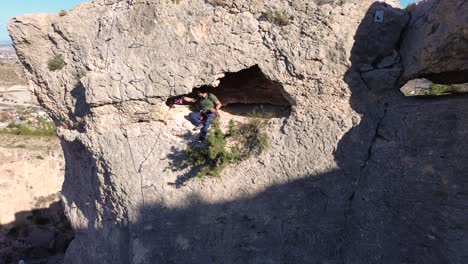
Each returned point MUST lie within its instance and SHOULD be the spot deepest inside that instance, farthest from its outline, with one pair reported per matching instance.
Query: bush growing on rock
(56, 63)
(252, 138)
(212, 157)
(440, 89)
(233, 132)
(278, 17)
(221, 149)
(281, 18)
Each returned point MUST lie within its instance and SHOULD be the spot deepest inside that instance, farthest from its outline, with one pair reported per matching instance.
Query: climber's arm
(217, 107)
(188, 99)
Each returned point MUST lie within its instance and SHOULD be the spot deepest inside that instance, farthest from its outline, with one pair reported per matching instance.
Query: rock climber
(209, 106)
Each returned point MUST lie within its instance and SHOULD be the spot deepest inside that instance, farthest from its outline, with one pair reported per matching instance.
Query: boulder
(379, 37)
(434, 44)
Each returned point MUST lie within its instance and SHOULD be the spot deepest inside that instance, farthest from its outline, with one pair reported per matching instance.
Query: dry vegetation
(56, 63)
(278, 17)
(218, 2)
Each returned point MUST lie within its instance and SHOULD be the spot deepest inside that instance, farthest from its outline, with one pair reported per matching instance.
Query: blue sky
(404, 3)
(11, 8)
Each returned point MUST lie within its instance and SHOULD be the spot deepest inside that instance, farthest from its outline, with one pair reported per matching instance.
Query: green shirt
(208, 103)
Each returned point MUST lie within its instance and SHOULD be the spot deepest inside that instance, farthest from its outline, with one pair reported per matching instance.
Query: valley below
(33, 226)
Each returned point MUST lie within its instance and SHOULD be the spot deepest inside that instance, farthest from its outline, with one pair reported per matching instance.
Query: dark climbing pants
(207, 119)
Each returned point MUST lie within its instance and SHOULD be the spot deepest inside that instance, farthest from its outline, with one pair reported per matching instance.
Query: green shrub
(439, 89)
(232, 132)
(44, 129)
(12, 125)
(213, 156)
(56, 63)
(20, 146)
(62, 13)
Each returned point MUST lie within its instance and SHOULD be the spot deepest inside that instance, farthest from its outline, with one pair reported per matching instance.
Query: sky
(11, 8)
(404, 3)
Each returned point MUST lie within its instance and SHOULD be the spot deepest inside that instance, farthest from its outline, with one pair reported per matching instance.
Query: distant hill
(7, 53)
(11, 74)
(5, 43)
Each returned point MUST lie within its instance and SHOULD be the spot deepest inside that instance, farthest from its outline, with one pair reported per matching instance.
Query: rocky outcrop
(381, 68)
(324, 190)
(434, 44)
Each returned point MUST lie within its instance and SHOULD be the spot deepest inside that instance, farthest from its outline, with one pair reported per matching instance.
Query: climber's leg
(206, 126)
(194, 118)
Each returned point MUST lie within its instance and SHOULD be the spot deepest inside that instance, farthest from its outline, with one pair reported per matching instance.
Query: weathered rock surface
(382, 79)
(382, 38)
(322, 193)
(410, 200)
(435, 43)
(380, 68)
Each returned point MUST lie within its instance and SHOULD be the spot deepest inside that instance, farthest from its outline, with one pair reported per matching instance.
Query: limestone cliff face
(344, 180)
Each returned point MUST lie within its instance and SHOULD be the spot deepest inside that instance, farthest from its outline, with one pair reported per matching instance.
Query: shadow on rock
(297, 222)
(405, 157)
(82, 108)
(37, 236)
(177, 158)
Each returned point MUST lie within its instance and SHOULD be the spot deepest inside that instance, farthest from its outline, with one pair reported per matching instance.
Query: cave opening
(245, 92)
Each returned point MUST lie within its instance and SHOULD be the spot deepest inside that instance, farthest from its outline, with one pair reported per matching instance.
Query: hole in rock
(245, 92)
